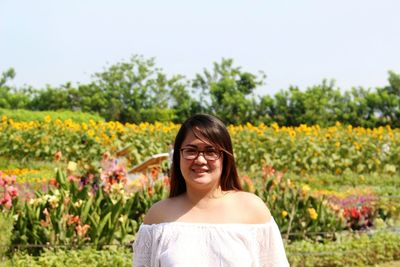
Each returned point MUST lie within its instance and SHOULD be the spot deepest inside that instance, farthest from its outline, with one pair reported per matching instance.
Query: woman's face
(199, 172)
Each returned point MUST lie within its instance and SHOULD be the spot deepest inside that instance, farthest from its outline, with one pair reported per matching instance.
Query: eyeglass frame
(201, 151)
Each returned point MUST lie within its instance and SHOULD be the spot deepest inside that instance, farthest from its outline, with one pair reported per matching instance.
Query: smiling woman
(207, 220)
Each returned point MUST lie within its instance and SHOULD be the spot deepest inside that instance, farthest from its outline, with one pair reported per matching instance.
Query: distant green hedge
(29, 115)
(355, 250)
(87, 257)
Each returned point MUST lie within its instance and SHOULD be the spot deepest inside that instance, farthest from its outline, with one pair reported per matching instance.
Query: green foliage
(80, 210)
(352, 250)
(10, 97)
(87, 256)
(28, 115)
(137, 91)
(134, 91)
(299, 150)
(295, 210)
(229, 89)
(6, 227)
(356, 250)
(319, 104)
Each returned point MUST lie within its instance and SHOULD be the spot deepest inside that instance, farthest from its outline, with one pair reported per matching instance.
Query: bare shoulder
(159, 212)
(252, 205)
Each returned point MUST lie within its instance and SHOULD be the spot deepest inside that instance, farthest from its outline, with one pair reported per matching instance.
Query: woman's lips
(199, 170)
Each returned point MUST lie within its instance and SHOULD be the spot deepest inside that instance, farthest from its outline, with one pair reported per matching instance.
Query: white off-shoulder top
(182, 244)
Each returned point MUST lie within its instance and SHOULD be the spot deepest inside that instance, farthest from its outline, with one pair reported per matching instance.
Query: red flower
(354, 213)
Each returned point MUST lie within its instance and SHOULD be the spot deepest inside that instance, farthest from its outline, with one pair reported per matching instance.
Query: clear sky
(355, 42)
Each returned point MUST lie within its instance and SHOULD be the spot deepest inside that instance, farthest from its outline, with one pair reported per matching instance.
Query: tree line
(136, 90)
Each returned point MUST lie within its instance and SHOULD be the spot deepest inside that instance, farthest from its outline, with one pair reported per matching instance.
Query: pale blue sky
(355, 42)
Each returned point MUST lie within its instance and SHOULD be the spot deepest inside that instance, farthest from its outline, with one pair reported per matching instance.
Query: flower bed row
(298, 149)
(100, 207)
(355, 250)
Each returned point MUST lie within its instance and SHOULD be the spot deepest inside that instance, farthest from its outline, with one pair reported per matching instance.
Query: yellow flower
(305, 188)
(53, 201)
(275, 126)
(47, 119)
(313, 214)
(123, 218)
(72, 166)
(90, 133)
(284, 213)
(78, 204)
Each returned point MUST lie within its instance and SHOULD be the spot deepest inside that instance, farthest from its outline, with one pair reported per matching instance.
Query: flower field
(318, 182)
(302, 149)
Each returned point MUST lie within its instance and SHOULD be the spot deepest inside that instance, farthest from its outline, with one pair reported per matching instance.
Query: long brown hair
(212, 130)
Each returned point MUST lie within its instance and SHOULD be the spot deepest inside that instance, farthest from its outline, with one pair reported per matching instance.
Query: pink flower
(71, 178)
(12, 191)
(6, 201)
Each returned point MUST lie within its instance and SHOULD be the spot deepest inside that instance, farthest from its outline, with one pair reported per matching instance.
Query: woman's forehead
(196, 138)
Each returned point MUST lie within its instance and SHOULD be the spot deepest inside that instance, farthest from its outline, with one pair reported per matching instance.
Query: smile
(199, 170)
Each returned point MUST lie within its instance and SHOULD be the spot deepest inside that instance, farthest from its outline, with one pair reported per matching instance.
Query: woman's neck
(204, 199)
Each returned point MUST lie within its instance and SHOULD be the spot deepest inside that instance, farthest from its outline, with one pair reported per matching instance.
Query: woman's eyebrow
(189, 145)
(196, 146)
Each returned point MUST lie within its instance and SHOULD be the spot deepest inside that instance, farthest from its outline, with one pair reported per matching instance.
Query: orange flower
(154, 173)
(58, 156)
(73, 219)
(106, 156)
(150, 190)
(81, 230)
(167, 181)
(247, 183)
(44, 223)
(53, 182)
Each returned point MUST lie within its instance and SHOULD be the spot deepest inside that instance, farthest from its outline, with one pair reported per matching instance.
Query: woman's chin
(200, 178)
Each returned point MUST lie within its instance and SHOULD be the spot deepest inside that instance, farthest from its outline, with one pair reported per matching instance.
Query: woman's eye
(191, 151)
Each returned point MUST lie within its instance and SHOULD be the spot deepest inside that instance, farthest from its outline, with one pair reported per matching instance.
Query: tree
(135, 90)
(181, 101)
(388, 101)
(10, 97)
(227, 92)
(50, 98)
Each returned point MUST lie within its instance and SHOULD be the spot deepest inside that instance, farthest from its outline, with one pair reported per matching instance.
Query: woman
(207, 220)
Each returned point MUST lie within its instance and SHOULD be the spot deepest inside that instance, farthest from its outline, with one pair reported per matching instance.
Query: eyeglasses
(192, 153)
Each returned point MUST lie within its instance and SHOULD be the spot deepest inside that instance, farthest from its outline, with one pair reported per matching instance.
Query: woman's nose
(200, 157)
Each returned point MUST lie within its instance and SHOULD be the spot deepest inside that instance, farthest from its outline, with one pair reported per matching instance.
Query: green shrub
(356, 250)
(91, 208)
(6, 226)
(29, 115)
(72, 258)
(296, 211)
